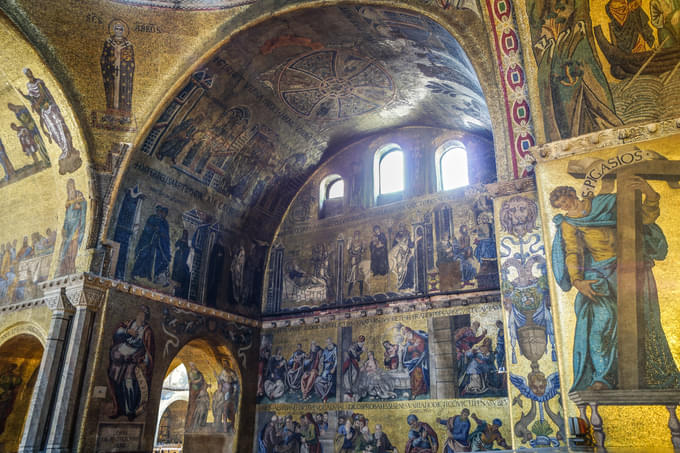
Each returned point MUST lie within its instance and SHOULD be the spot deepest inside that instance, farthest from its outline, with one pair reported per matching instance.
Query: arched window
(452, 166)
(335, 189)
(331, 195)
(389, 173)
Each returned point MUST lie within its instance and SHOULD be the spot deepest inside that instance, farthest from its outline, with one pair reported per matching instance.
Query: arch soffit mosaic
(463, 30)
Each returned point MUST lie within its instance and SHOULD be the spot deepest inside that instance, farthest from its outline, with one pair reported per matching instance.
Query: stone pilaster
(42, 400)
(87, 301)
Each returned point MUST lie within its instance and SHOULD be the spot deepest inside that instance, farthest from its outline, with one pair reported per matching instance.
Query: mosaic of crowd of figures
(426, 243)
(614, 241)
(448, 426)
(604, 64)
(42, 179)
(457, 353)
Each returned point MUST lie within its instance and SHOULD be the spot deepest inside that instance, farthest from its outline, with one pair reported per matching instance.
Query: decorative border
(219, 5)
(513, 81)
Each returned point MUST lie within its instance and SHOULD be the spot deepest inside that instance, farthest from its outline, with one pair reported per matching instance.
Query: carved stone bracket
(57, 301)
(512, 187)
(86, 297)
(605, 139)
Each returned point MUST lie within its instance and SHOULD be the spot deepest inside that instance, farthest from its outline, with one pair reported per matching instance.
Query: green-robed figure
(584, 256)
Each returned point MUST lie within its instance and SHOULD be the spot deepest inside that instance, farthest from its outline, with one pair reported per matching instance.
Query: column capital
(86, 297)
(58, 302)
(72, 292)
(91, 298)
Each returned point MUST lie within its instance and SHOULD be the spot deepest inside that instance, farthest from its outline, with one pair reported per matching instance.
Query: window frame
(450, 146)
(331, 206)
(329, 186)
(380, 154)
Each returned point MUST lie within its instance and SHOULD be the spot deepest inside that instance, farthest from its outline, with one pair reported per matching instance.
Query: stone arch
(170, 431)
(211, 211)
(23, 327)
(466, 26)
(20, 357)
(214, 397)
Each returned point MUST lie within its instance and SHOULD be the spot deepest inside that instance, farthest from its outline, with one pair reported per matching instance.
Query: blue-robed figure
(584, 256)
(458, 428)
(324, 385)
(415, 358)
(73, 231)
(152, 254)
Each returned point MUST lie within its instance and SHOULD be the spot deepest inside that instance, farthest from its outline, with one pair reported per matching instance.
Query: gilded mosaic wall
(358, 249)
(613, 247)
(599, 65)
(139, 344)
(445, 367)
(537, 413)
(44, 187)
(226, 154)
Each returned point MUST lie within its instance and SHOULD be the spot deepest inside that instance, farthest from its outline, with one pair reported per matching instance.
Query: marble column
(36, 423)
(87, 302)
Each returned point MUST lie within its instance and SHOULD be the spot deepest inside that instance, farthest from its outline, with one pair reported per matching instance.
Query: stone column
(87, 302)
(49, 373)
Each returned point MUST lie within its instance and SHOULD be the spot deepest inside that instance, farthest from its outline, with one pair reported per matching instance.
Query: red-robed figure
(131, 365)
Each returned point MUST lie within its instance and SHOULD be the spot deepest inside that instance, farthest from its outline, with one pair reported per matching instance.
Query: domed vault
(235, 143)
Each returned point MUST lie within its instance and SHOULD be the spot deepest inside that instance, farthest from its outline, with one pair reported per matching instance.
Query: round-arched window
(391, 171)
(453, 167)
(335, 189)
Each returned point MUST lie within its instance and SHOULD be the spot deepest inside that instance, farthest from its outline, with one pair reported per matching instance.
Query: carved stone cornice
(103, 284)
(22, 305)
(72, 292)
(512, 187)
(605, 139)
(420, 304)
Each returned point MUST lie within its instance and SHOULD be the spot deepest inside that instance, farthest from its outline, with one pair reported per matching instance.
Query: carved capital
(58, 302)
(71, 292)
(90, 298)
(93, 298)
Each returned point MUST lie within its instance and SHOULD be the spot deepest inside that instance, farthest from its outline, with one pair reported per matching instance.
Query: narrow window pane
(392, 172)
(336, 189)
(454, 169)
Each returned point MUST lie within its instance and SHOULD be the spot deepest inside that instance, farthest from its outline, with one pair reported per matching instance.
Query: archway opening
(19, 364)
(172, 411)
(206, 377)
